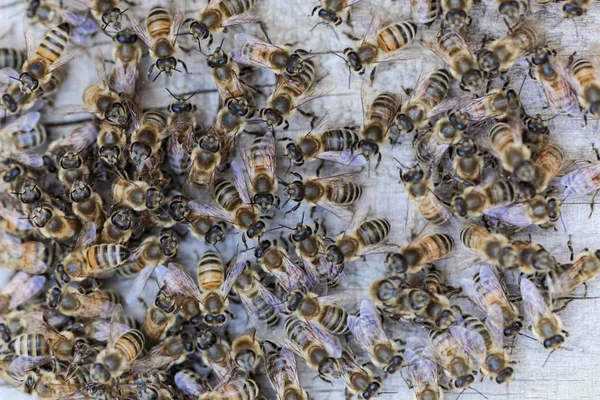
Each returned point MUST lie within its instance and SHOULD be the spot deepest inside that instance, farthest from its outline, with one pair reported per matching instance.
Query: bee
(156, 324)
(190, 383)
(491, 247)
(360, 381)
(174, 349)
(12, 58)
(127, 54)
(484, 342)
(477, 200)
(146, 140)
(205, 159)
(325, 142)
(88, 260)
(111, 142)
(515, 158)
(15, 102)
(137, 195)
(226, 74)
(468, 161)
(455, 14)
(362, 237)
(582, 181)
(329, 11)
(548, 70)
(87, 204)
(576, 8)
(503, 53)
(290, 94)
(202, 225)
(381, 44)
(323, 310)
(513, 10)
(423, 373)
(282, 372)
(52, 223)
(314, 345)
(215, 284)
(488, 290)
(378, 121)
(583, 79)
(73, 302)
(48, 57)
(23, 134)
(535, 132)
(547, 325)
(230, 120)
(20, 289)
(107, 12)
(262, 307)
(549, 162)
(49, 385)
(539, 210)
(259, 162)
(275, 261)
(453, 50)
(216, 352)
(419, 187)
(160, 36)
(566, 278)
(233, 386)
(533, 258)
(333, 193)
(412, 257)
(151, 252)
(120, 226)
(431, 145)
(246, 351)
(71, 168)
(429, 93)
(368, 332)
(424, 11)
(30, 257)
(120, 352)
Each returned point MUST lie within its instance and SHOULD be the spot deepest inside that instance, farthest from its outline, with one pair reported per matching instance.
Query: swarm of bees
(114, 199)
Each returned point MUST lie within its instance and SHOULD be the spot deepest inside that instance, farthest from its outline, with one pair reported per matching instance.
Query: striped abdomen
(155, 118)
(12, 58)
(230, 8)
(106, 256)
(476, 325)
(396, 36)
(265, 311)
(373, 232)
(383, 109)
(29, 140)
(158, 22)
(211, 273)
(344, 193)
(437, 246)
(227, 195)
(425, 11)
(334, 319)
(34, 345)
(339, 139)
(474, 237)
(583, 70)
(295, 330)
(500, 192)
(437, 87)
(53, 44)
(430, 209)
(110, 295)
(550, 159)
(130, 344)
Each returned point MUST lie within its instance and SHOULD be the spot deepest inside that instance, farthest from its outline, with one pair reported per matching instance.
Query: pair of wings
(367, 328)
(23, 287)
(489, 284)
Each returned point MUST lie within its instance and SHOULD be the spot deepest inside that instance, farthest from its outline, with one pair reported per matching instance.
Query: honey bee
(329, 11)
(468, 161)
(582, 181)
(488, 290)
(156, 324)
(87, 204)
(262, 307)
(362, 237)
(423, 373)
(275, 261)
(202, 225)
(52, 223)
(360, 381)
(215, 352)
(419, 187)
(576, 8)
(431, 145)
(535, 131)
(326, 143)
(477, 200)
(322, 310)
(111, 142)
(566, 278)
(246, 351)
(48, 57)
(12, 58)
(235, 385)
(226, 74)
(547, 325)
(174, 349)
(107, 12)
(429, 93)
(549, 162)
(368, 332)
(539, 210)
(506, 143)
(20, 289)
(160, 36)
(205, 159)
(23, 134)
(453, 50)
(151, 252)
(584, 81)
(455, 14)
(137, 195)
(378, 121)
(15, 223)
(88, 260)
(230, 121)
(548, 70)
(533, 258)
(120, 352)
(414, 256)
(314, 345)
(381, 44)
(127, 54)
(49, 385)
(190, 383)
(279, 59)
(73, 302)
(146, 140)
(503, 53)
(120, 226)
(491, 247)
(484, 343)
(424, 11)
(182, 120)
(30, 257)
(15, 102)
(259, 162)
(282, 372)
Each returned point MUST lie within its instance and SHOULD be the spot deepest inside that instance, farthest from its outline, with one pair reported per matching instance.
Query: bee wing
(376, 23)
(86, 236)
(444, 211)
(381, 248)
(15, 283)
(31, 160)
(581, 181)
(73, 18)
(328, 341)
(263, 157)
(512, 214)
(409, 52)
(22, 364)
(369, 325)
(155, 359)
(495, 324)
(37, 324)
(78, 139)
(140, 280)
(16, 218)
(534, 304)
(292, 277)
(291, 367)
(124, 77)
(234, 272)
(420, 10)
(567, 280)
(468, 288)
(429, 148)
(241, 182)
(11, 245)
(491, 282)
(179, 282)
(30, 41)
(251, 16)
(315, 92)
(339, 211)
(347, 157)
(8, 76)
(66, 57)
(560, 95)
(361, 212)
(210, 211)
(178, 14)
(24, 123)
(140, 31)
(114, 331)
(471, 342)
(422, 370)
(188, 385)
(313, 281)
(251, 46)
(27, 290)
(102, 329)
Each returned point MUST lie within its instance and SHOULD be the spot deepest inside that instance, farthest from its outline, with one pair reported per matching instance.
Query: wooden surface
(570, 373)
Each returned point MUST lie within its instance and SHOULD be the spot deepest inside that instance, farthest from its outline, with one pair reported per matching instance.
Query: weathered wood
(570, 373)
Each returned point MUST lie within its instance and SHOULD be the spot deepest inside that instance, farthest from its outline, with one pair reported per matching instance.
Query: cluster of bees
(113, 198)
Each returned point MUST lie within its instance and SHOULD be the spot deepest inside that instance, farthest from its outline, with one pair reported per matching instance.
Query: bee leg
(378, 160)
(570, 60)
(592, 204)
(372, 76)
(286, 244)
(318, 172)
(312, 211)
(349, 19)
(244, 240)
(286, 125)
(347, 394)
(184, 66)
(570, 247)
(231, 315)
(351, 37)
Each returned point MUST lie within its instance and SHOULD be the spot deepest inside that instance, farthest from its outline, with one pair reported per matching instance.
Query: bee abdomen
(31, 345)
(54, 43)
(227, 195)
(235, 7)
(158, 22)
(130, 344)
(344, 194)
(374, 231)
(210, 271)
(335, 320)
(394, 37)
(29, 140)
(106, 256)
(438, 85)
(154, 118)
(12, 58)
(339, 139)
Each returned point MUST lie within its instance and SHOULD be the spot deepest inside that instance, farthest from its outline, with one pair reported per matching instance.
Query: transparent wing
(471, 342)
(24, 363)
(11, 245)
(376, 23)
(188, 385)
(328, 121)
(115, 326)
(27, 291)
(31, 160)
(16, 218)
(124, 77)
(140, 31)
(290, 366)
(210, 211)
(24, 123)
(491, 283)
(339, 211)
(361, 212)
(251, 16)
(313, 280)
(178, 15)
(495, 324)
(406, 53)
(534, 304)
(512, 214)
(381, 248)
(234, 272)
(15, 283)
(179, 282)
(262, 158)
(140, 281)
(250, 50)
(78, 139)
(30, 41)
(315, 92)
(102, 330)
(347, 157)
(240, 182)
(469, 289)
(582, 181)
(329, 343)
(66, 57)
(86, 236)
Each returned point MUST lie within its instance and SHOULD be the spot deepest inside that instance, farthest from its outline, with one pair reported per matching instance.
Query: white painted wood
(570, 373)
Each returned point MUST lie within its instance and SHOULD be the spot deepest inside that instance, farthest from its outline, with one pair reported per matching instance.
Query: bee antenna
(302, 220)
(156, 77)
(547, 358)
(402, 165)
(285, 226)
(477, 391)
(527, 336)
(171, 93)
